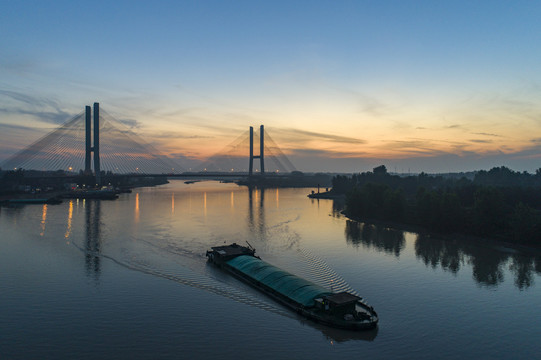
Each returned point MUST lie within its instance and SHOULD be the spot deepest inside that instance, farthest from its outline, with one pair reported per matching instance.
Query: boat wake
(323, 274)
(190, 273)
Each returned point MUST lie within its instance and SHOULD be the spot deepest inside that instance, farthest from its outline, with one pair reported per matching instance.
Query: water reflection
(43, 219)
(434, 253)
(523, 268)
(489, 261)
(205, 204)
(93, 238)
(384, 239)
(337, 207)
(136, 211)
(256, 218)
(70, 217)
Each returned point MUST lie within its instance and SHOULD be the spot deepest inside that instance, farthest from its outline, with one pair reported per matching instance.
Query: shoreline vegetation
(499, 204)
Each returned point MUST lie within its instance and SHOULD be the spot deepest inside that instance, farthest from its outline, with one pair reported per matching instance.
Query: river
(128, 279)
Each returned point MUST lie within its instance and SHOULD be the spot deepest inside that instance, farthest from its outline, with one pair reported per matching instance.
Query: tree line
(499, 203)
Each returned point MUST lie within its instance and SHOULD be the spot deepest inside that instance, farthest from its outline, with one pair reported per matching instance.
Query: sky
(341, 86)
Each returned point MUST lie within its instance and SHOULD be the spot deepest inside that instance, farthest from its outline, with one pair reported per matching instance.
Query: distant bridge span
(207, 175)
(115, 149)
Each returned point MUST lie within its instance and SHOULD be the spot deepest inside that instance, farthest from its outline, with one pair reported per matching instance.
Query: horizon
(342, 88)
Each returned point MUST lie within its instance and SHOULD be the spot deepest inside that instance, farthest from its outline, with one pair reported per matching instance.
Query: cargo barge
(341, 310)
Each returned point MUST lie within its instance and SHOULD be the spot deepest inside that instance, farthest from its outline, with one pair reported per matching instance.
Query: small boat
(342, 310)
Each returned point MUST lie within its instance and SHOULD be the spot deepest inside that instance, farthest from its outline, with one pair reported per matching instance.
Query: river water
(128, 279)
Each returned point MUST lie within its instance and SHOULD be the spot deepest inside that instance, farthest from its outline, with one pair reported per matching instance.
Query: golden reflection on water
(205, 203)
(172, 203)
(43, 219)
(277, 198)
(232, 200)
(136, 208)
(70, 216)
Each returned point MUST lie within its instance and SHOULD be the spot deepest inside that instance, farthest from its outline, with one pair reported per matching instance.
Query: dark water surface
(128, 279)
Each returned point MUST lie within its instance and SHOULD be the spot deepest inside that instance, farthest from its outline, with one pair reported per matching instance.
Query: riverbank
(499, 204)
(22, 193)
(51, 197)
(500, 244)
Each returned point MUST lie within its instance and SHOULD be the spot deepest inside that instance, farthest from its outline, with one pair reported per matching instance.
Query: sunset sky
(432, 86)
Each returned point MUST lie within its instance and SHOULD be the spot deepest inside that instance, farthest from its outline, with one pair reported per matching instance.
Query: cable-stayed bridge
(94, 143)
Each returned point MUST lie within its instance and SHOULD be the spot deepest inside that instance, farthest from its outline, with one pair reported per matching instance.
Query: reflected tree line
(488, 264)
(389, 241)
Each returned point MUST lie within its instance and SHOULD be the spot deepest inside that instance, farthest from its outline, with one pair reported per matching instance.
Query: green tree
(380, 170)
(428, 209)
(489, 211)
(451, 212)
(524, 224)
(394, 204)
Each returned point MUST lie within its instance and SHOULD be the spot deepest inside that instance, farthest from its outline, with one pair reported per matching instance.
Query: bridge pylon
(88, 142)
(89, 149)
(261, 155)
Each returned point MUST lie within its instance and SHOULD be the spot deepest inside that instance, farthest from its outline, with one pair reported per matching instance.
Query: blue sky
(340, 85)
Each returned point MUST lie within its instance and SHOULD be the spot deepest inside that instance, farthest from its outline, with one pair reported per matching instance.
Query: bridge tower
(97, 170)
(261, 155)
(88, 142)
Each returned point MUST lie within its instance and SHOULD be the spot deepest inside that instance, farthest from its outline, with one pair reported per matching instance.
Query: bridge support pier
(261, 155)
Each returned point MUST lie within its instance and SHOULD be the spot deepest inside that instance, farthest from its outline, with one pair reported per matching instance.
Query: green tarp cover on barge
(297, 289)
